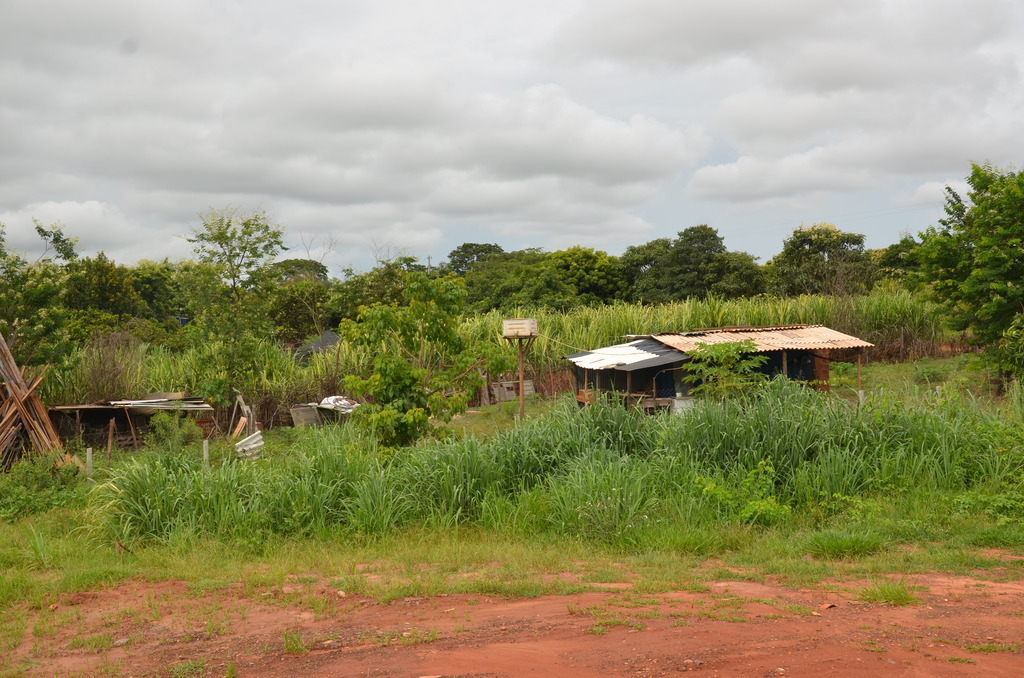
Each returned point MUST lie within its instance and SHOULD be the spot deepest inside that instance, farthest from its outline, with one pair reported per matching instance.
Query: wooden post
(88, 462)
(785, 364)
(860, 390)
(110, 438)
(131, 427)
(206, 453)
(859, 352)
(522, 380)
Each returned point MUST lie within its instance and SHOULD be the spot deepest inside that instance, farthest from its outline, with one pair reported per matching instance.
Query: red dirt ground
(960, 626)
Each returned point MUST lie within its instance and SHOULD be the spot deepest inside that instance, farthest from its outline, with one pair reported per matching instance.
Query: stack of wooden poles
(22, 410)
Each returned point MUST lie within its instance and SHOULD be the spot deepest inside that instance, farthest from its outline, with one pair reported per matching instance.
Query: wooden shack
(649, 369)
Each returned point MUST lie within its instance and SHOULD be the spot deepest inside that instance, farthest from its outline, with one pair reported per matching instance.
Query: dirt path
(960, 626)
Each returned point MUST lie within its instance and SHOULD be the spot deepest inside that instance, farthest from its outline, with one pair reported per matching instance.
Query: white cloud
(531, 123)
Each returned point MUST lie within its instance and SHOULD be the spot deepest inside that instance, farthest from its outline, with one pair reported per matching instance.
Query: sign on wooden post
(523, 331)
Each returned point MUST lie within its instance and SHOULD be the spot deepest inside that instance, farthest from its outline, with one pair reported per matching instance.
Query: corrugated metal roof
(790, 337)
(635, 355)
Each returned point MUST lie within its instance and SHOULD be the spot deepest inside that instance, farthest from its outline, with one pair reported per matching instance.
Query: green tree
(518, 279)
(293, 270)
(239, 248)
(899, 260)
(383, 284)
(156, 283)
(594, 276)
(97, 283)
(736, 275)
(225, 290)
(423, 368)
(821, 259)
(723, 370)
(690, 266)
(973, 259)
(693, 265)
(644, 270)
(32, 314)
(466, 255)
(298, 299)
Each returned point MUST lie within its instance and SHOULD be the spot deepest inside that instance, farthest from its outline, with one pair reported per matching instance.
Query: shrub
(34, 485)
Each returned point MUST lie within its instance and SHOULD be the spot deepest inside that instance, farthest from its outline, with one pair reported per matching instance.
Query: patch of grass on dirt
(293, 643)
(991, 647)
(845, 543)
(190, 668)
(888, 592)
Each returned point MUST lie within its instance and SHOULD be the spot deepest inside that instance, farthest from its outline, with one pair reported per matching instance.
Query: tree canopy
(974, 259)
(821, 259)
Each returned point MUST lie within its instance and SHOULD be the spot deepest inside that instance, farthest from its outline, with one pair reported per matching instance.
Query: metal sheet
(789, 337)
(634, 355)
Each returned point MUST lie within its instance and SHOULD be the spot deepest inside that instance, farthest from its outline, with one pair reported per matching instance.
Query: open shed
(649, 368)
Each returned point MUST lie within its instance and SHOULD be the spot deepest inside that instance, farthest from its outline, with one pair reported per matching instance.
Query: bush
(34, 485)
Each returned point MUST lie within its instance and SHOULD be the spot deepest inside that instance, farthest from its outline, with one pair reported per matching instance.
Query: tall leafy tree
(736, 275)
(298, 299)
(226, 288)
(515, 279)
(594, 276)
(97, 283)
(383, 284)
(645, 272)
(974, 259)
(32, 313)
(693, 265)
(463, 257)
(238, 247)
(690, 267)
(821, 259)
(424, 370)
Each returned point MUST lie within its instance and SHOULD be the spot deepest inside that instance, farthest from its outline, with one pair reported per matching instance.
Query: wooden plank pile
(21, 410)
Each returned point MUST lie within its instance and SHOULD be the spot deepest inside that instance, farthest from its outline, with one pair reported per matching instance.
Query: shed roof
(634, 355)
(790, 337)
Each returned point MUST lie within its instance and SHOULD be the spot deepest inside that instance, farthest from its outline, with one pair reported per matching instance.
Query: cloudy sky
(411, 127)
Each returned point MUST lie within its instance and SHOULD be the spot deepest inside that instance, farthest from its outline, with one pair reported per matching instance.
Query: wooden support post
(206, 453)
(131, 427)
(88, 462)
(860, 390)
(522, 380)
(785, 364)
(110, 438)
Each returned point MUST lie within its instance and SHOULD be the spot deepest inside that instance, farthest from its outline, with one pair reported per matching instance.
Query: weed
(293, 643)
(190, 668)
(990, 647)
(97, 643)
(844, 543)
(798, 610)
(417, 637)
(888, 592)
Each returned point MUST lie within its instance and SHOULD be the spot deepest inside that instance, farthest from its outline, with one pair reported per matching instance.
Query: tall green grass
(900, 323)
(606, 474)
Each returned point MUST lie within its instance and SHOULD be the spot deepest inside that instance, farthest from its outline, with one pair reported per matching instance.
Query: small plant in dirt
(888, 592)
(191, 668)
(97, 643)
(991, 647)
(293, 643)
(844, 543)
